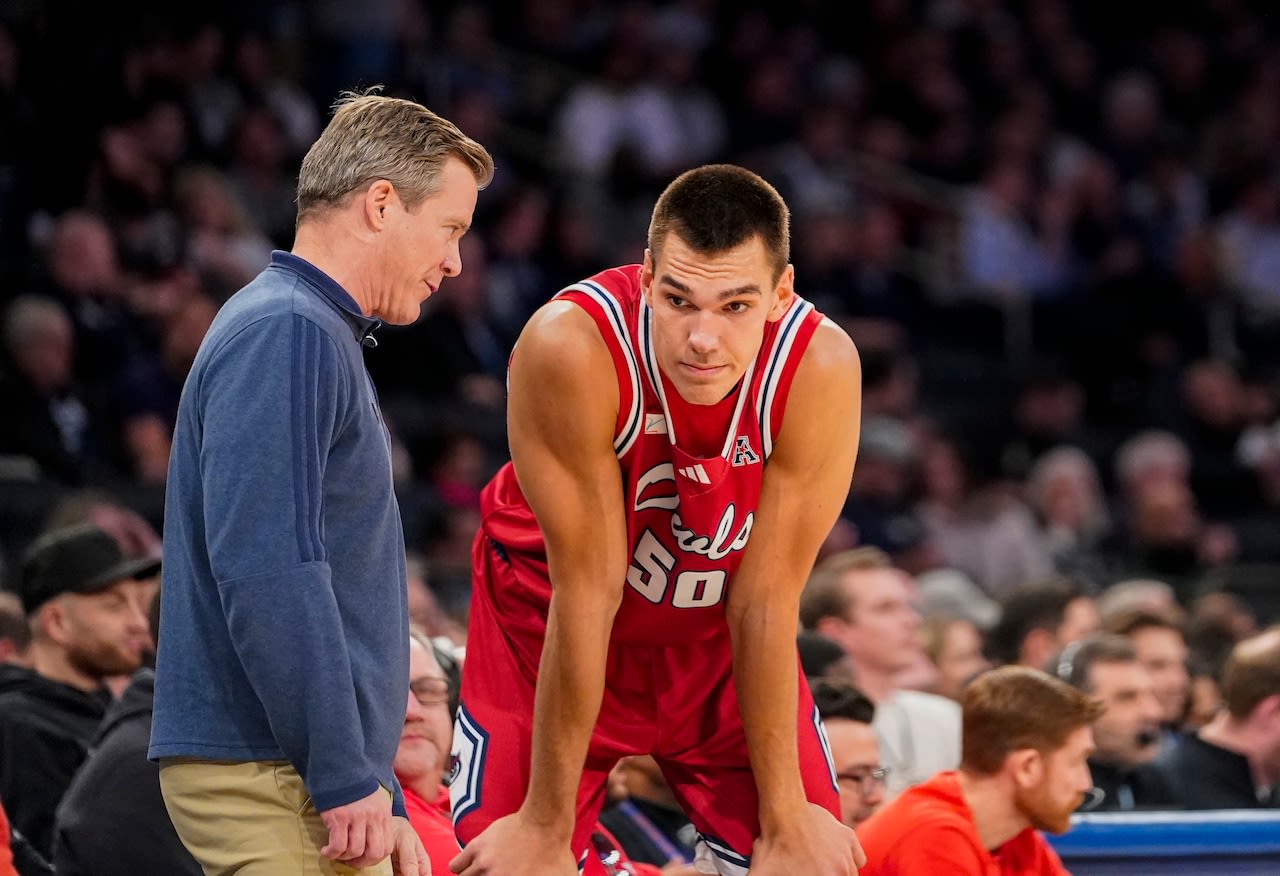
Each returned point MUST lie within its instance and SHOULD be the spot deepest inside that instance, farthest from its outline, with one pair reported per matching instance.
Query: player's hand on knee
(360, 833)
(814, 842)
(513, 846)
(408, 857)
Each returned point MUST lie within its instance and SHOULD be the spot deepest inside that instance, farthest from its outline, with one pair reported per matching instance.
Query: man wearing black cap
(86, 605)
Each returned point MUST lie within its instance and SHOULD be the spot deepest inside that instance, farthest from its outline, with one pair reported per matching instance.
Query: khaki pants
(249, 819)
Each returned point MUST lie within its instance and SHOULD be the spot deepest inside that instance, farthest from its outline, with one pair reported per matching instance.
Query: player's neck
(991, 805)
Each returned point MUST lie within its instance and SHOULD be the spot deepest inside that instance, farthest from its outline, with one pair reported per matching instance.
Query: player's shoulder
(831, 352)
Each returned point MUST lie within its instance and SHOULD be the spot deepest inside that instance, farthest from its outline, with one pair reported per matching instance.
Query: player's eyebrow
(748, 289)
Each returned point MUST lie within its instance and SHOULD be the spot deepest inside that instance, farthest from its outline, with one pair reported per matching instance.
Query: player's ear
(784, 292)
(646, 276)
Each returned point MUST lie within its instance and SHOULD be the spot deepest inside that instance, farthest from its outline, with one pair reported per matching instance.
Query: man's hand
(513, 846)
(408, 857)
(360, 833)
(814, 843)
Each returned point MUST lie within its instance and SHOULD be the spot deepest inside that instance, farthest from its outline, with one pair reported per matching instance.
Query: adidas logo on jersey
(695, 473)
(742, 452)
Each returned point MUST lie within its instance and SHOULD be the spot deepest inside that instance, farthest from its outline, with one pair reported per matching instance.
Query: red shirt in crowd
(6, 855)
(928, 829)
(434, 827)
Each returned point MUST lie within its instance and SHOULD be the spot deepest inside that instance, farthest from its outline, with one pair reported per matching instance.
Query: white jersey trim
(792, 320)
(631, 426)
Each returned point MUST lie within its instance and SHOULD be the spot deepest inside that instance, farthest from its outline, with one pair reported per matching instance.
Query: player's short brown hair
(824, 593)
(1252, 673)
(717, 207)
(1014, 708)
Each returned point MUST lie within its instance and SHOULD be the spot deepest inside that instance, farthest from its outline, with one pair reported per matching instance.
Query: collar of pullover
(361, 326)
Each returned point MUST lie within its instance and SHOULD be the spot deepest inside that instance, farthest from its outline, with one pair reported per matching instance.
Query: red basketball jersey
(691, 474)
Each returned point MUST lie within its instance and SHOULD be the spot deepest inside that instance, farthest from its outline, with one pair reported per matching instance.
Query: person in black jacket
(112, 820)
(89, 830)
(86, 605)
(1127, 735)
(1233, 762)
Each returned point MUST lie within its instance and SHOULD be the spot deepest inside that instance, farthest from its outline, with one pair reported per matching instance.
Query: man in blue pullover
(282, 661)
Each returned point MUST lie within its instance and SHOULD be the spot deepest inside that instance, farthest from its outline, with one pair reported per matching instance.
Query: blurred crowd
(1053, 232)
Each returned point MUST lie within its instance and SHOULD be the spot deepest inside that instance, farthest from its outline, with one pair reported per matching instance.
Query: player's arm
(804, 487)
(561, 415)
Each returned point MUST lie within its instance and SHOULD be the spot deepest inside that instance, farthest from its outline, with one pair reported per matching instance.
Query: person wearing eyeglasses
(422, 758)
(846, 715)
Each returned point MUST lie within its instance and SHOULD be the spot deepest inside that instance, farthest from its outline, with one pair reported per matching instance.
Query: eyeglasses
(430, 691)
(865, 778)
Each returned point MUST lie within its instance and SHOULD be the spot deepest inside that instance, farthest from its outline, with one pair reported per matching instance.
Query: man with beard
(86, 604)
(1024, 769)
(1127, 736)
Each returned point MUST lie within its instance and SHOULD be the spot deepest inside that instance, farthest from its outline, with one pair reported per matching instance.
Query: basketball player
(682, 436)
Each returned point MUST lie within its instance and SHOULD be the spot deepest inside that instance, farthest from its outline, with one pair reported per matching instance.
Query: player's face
(709, 313)
(427, 735)
(1058, 785)
(856, 757)
(419, 248)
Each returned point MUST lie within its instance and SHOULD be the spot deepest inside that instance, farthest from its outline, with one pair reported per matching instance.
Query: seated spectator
(954, 645)
(87, 836)
(1137, 594)
(15, 636)
(846, 716)
(1038, 620)
(423, 756)
(821, 657)
(646, 819)
(1127, 735)
(1161, 648)
(1233, 761)
(48, 416)
(88, 618)
(861, 601)
(1027, 738)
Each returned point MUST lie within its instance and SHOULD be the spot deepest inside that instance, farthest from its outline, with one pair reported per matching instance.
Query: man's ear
(646, 276)
(377, 198)
(784, 292)
(50, 620)
(1026, 765)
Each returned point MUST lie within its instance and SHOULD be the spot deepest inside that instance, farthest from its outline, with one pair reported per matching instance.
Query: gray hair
(373, 137)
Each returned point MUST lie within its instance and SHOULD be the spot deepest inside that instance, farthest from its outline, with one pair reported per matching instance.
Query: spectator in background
(287, 563)
(422, 758)
(1233, 761)
(954, 645)
(977, 526)
(87, 610)
(116, 793)
(48, 416)
(846, 718)
(1038, 620)
(1127, 734)
(821, 657)
(1026, 741)
(1137, 595)
(15, 635)
(1161, 649)
(859, 600)
(1065, 492)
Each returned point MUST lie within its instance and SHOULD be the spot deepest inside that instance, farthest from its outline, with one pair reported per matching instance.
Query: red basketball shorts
(674, 702)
